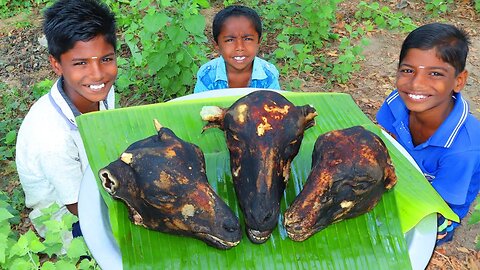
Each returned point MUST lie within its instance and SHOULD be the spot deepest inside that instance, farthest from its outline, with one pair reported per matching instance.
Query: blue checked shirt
(213, 75)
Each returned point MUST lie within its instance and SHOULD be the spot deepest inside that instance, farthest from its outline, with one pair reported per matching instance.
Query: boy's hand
(73, 208)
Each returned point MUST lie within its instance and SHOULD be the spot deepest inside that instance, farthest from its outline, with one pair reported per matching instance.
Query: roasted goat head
(263, 132)
(162, 181)
(351, 169)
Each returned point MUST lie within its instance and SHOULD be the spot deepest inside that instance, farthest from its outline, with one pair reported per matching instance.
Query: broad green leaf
(36, 246)
(68, 219)
(22, 264)
(371, 241)
(144, 4)
(202, 3)
(48, 266)
(65, 265)
(20, 248)
(176, 34)
(156, 61)
(86, 264)
(77, 248)
(474, 218)
(195, 24)
(3, 247)
(166, 3)
(154, 22)
(4, 214)
(10, 137)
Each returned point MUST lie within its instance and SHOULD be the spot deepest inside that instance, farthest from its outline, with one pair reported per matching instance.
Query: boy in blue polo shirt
(237, 31)
(428, 116)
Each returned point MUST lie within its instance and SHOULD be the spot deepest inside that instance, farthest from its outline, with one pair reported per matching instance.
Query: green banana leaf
(374, 240)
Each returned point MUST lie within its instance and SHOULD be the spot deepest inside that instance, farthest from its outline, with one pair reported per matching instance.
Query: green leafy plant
(437, 7)
(477, 5)
(9, 8)
(301, 29)
(349, 54)
(384, 17)
(41, 88)
(474, 219)
(162, 45)
(29, 251)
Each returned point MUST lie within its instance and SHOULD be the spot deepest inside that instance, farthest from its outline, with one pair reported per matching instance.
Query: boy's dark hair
(450, 42)
(235, 11)
(69, 21)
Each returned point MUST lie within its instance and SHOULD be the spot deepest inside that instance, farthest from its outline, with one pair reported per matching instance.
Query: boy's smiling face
(238, 43)
(89, 70)
(426, 83)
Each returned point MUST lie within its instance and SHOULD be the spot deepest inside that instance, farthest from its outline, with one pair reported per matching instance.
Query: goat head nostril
(230, 226)
(268, 216)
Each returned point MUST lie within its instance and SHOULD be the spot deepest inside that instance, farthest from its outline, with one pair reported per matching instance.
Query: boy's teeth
(239, 58)
(97, 86)
(412, 96)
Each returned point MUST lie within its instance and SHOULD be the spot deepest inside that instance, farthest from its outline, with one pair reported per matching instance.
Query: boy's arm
(199, 87)
(275, 84)
(73, 208)
(61, 165)
(454, 176)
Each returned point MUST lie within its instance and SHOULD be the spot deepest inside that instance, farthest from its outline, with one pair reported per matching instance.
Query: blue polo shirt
(213, 75)
(450, 158)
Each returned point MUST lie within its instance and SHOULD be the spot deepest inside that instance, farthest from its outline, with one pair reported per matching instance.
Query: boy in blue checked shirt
(237, 31)
(428, 116)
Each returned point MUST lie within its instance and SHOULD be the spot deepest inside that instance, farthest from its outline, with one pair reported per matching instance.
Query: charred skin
(263, 133)
(162, 181)
(351, 169)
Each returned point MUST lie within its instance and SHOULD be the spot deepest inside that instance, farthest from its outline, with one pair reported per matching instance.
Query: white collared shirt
(50, 155)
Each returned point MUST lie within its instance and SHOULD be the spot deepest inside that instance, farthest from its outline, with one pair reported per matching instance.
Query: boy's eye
(435, 73)
(406, 70)
(248, 38)
(229, 40)
(79, 63)
(107, 59)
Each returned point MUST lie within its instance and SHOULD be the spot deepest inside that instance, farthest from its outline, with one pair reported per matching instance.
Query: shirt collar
(257, 72)
(64, 106)
(60, 104)
(448, 130)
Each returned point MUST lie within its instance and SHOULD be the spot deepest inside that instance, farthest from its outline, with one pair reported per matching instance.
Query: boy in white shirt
(50, 155)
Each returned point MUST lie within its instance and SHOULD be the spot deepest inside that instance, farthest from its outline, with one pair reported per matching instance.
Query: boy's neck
(424, 124)
(239, 78)
(75, 104)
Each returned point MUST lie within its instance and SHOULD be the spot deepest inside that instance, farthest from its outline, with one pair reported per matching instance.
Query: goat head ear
(309, 113)
(214, 115)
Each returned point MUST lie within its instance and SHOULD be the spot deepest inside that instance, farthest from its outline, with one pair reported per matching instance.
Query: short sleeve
(454, 176)
(62, 167)
(385, 117)
(199, 86)
(275, 84)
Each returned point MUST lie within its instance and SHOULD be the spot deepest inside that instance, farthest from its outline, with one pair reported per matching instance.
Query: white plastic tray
(97, 232)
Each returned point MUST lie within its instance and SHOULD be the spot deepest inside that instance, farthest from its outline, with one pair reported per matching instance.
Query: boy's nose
(239, 46)
(418, 81)
(96, 71)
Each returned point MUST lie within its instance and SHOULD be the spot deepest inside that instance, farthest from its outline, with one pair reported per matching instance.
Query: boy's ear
(56, 66)
(460, 81)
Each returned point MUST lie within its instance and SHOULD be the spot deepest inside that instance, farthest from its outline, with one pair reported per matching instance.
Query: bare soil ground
(23, 62)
